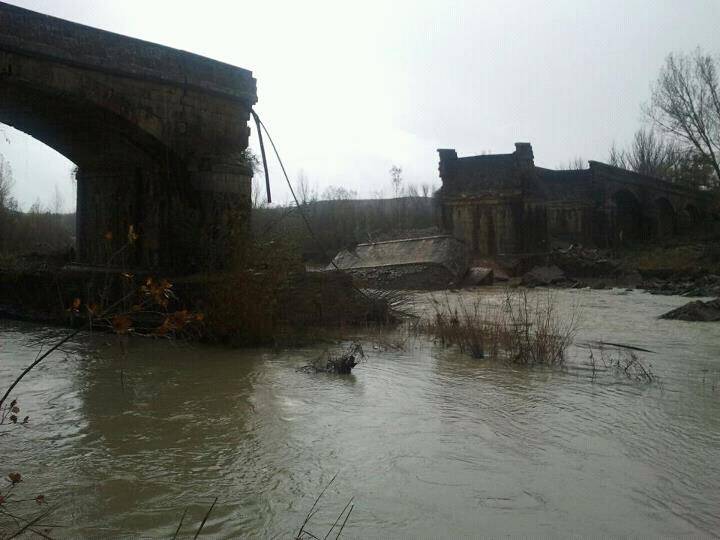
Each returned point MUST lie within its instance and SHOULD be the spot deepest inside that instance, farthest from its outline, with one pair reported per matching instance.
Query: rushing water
(430, 443)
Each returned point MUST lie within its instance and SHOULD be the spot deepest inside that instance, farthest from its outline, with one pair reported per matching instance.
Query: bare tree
(335, 193)
(6, 184)
(649, 154)
(258, 197)
(617, 157)
(575, 164)
(396, 179)
(57, 203)
(685, 105)
(306, 194)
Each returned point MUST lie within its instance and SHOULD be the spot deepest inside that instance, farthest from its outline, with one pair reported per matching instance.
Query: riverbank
(274, 300)
(675, 268)
(251, 306)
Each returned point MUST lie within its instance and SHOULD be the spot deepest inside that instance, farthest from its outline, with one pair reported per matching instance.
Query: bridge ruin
(504, 204)
(158, 136)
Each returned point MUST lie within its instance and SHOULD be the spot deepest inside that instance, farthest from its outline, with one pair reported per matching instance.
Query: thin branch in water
(28, 525)
(338, 518)
(182, 518)
(345, 522)
(207, 515)
(311, 513)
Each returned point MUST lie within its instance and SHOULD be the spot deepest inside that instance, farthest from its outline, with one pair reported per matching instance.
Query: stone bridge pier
(158, 135)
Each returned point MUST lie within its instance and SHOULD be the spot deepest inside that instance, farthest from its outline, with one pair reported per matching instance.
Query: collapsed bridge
(504, 204)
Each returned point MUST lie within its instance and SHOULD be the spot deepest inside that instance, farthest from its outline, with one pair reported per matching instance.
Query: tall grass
(523, 329)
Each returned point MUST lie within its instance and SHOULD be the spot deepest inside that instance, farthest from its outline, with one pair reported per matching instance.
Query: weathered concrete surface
(503, 204)
(477, 276)
(543, 275)
(423, 263)
(157, 135)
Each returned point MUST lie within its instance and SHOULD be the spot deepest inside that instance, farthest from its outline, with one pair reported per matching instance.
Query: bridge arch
(158, 136)
(629, 220)
(121, 172)
(664, 219)
(692, 217)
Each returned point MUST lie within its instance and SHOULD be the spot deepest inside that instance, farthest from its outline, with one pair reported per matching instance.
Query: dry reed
(522, 329)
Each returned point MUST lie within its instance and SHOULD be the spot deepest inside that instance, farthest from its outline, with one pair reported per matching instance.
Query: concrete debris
(478, 276)
(696, 311)
(684, 285)
(433, 262)
(543, 276)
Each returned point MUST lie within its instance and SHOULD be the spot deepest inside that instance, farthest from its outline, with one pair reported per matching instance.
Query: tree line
(681, 139)
(42, 229)
(339, 220)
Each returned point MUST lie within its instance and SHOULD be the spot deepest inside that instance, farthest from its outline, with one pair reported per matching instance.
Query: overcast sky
(348, 89)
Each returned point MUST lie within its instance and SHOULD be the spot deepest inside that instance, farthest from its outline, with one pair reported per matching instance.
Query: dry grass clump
(621, 360)
(532, 331)
(523, 329)
(464, 326)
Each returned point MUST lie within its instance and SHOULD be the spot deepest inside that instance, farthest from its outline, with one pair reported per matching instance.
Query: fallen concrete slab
(431, 262)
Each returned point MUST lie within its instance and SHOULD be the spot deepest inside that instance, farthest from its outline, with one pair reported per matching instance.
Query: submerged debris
(621, 360)
(478, 276)
(696, 311)
(337, 362)
(542, 276)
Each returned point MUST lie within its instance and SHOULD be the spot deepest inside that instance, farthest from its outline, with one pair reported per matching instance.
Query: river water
(123, 437)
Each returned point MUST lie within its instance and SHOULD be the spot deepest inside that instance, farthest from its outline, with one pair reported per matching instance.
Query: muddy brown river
(429, 443)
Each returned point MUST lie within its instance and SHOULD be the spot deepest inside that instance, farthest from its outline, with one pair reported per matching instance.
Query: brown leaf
(164, 328)
(75, 306)
(15, 477)
(121, 324)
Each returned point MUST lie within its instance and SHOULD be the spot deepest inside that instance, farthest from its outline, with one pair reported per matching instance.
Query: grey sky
(348, 89)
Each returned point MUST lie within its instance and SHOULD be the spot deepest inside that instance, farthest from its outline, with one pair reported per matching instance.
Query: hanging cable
(292, 191)
(262, 152)
(300, 209)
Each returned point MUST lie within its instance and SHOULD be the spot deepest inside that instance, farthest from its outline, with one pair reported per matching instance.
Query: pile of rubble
(579, 267)
(696, 311)
(684, 285)
(580, 262)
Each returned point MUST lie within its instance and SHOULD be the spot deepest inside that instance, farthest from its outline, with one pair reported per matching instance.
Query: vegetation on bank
(674, 256)
(523, 329)
(41, 230)
(343, 223)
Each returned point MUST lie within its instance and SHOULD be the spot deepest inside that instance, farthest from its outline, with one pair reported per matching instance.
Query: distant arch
(693, 217)
(665, 220)
(629, 218)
